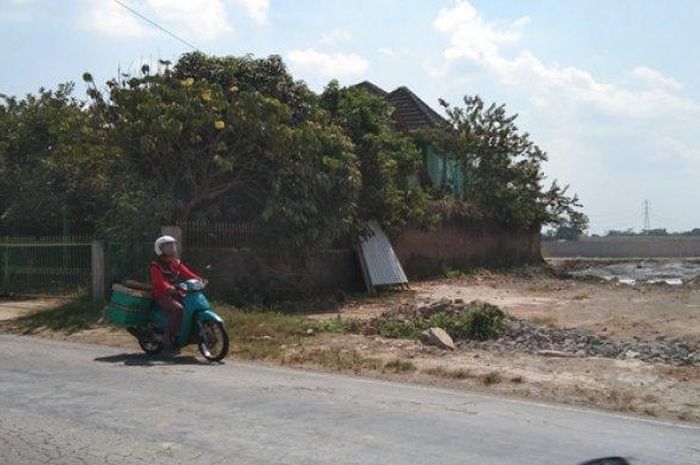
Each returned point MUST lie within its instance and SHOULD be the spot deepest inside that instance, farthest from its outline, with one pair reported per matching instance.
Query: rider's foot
(170, 350)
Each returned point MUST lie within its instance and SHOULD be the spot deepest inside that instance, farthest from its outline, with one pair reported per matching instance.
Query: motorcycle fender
(208, 315)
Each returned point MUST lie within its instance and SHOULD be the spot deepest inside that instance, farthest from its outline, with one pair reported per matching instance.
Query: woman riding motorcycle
(166, 272)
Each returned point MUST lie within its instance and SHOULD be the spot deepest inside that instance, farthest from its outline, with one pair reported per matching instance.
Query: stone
(437, 337)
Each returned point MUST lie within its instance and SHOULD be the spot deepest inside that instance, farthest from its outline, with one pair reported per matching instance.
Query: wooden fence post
(98, 268)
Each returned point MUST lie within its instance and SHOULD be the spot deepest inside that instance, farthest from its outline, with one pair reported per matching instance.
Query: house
(412, 114)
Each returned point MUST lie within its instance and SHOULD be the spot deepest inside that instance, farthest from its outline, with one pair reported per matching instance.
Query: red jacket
(166, 273)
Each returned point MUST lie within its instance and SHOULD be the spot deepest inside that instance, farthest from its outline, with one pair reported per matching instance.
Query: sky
(609, 89)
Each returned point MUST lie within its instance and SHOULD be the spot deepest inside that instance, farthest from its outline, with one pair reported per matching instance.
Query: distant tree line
(653, 232)
(239, 139)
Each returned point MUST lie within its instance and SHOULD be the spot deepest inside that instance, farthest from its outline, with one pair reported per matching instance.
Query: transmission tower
(646, 211)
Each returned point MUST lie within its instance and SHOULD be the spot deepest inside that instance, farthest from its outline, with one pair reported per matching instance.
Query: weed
(334, 358)
(443, 372)
(621, 401)
(399, 366)
(517, 379)
(491, 377)
(685, 415)
(400, 329)
(650, 411)
(479, 321)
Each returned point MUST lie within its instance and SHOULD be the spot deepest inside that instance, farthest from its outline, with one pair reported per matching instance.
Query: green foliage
(54, 165)
(204, 145)
(389, 161)
(506, 181)
(480, 321)
(237, 139)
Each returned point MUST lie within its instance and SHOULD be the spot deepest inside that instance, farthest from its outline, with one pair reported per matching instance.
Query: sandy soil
(11, 309)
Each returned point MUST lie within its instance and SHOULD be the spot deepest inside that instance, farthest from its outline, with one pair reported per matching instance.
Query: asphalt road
(64, 403)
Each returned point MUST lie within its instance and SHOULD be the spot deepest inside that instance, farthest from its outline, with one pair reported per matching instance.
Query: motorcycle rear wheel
(151, 347)
(213, 340)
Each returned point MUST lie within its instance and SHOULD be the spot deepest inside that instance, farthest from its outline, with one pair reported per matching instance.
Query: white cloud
(474, 39)
(335, 65)
(199, 19)
(110, 19)
(334, 36)
(655, 78)
(256, 9)
(386, 51)
(194, 19)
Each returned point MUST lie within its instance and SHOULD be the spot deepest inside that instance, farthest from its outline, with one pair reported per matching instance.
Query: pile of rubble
(524, 336)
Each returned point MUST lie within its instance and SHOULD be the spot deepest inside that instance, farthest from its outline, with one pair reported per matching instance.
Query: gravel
(524, 336)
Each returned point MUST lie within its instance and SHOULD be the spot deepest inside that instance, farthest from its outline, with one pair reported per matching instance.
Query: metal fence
(44, 265)
(221, 235)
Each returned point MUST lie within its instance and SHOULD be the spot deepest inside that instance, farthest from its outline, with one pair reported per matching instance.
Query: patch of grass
(400, 329)
(492, 377)
(479, 320)
(340, 325)
(399, 366)
(336, 359)
(548, 321)
(685, 415)
(265, 334)
(650, 411)
(620, 400)
(444, 372)
(70, 316)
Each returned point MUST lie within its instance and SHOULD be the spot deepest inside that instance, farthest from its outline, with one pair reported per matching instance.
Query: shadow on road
(139, 359)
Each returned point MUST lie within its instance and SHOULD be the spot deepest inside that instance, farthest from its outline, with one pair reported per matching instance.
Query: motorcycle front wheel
(213, 340)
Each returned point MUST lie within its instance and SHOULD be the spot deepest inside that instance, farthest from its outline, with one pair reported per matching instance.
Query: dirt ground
(623, 312)
(648, 313)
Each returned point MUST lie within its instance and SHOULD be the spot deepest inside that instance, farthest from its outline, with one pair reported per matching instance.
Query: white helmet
(161, 241)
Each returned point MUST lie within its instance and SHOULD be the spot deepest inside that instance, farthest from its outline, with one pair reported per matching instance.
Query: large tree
(204, 145)
(505, 182)
(54, 164)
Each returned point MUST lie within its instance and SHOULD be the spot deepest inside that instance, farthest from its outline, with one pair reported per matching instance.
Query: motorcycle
(142, 318)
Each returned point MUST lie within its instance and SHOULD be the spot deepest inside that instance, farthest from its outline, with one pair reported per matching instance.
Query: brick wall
(422, 254)
(427, 253)
(276, 275)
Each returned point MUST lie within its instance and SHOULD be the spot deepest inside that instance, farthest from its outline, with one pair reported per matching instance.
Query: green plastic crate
(130, 298)
(122, 316)
(128, 307)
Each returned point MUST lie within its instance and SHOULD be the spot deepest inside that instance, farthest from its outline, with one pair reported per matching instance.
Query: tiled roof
(372, 89)
(410, 112)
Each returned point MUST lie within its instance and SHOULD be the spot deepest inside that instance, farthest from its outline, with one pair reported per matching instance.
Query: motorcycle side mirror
(607, 461)
(208, 268)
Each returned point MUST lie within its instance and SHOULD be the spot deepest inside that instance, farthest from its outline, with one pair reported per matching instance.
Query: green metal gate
(55, 267)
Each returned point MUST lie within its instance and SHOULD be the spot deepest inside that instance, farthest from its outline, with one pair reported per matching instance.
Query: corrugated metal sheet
(382, 265)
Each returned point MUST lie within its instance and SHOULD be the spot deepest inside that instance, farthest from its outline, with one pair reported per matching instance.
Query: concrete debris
(437, 337)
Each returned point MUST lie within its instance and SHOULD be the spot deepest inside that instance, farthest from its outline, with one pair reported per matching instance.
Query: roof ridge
(423, 107)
